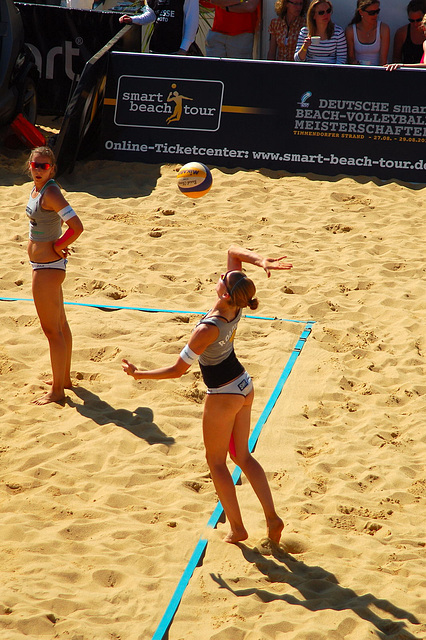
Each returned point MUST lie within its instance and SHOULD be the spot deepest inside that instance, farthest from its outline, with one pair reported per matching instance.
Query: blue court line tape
(200, 548)
(113, 307)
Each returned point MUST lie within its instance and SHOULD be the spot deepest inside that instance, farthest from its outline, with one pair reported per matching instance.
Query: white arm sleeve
(147, 16)
(66, 213)
(190, 23)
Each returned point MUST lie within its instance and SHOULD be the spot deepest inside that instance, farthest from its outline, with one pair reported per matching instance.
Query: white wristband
(188, 355)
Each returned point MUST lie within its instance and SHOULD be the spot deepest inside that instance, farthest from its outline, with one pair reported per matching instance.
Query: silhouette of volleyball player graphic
(177, 98)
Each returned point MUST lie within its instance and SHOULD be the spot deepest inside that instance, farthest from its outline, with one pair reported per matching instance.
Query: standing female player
(227, 409)
(47, 209)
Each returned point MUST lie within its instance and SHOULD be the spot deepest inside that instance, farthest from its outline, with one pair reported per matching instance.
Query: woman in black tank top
(408, 41)
(226, 417)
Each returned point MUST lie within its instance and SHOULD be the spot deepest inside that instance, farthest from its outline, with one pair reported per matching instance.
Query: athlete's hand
(393, 67)
(62, 253)
(275, 264)
(125, 19)
(128, 367)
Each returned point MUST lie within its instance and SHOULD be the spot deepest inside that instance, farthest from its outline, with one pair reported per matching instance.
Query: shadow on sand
(139, 422)
(320, 591)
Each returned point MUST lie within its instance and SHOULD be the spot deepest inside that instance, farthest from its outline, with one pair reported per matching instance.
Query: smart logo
(168, 103)
(303, 100)
(65, 53)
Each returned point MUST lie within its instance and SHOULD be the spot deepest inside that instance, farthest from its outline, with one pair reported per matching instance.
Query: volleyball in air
(194, 179)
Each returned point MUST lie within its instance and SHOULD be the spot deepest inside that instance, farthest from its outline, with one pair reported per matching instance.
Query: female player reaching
(227, 409)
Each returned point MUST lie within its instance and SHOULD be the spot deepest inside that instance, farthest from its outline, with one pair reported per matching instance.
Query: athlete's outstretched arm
(200, 339)
(175, 371)
(237, 255)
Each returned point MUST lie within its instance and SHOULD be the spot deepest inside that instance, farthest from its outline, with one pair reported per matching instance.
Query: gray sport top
(45, 225)
(224, 343)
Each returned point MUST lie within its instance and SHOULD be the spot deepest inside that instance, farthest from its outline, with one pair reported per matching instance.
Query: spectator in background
(368, 38)
(284, 30)
(322, 40)
(234, 26)
(412, 65)
(175, 25)
(408, 41)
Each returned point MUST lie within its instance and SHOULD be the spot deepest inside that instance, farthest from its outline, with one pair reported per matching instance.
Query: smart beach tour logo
(168, 103)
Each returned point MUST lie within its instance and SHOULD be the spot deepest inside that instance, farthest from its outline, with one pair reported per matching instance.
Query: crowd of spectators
(302, 32)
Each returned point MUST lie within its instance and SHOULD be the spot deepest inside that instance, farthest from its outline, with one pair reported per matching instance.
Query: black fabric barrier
(62, 41)
(325, 119)
(79, 134)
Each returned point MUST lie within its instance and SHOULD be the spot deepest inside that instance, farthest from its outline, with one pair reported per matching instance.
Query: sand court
(103, 499)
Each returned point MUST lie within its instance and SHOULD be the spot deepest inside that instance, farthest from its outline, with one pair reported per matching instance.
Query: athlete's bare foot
(274, 529)
(236, 536)
(48, 398)
(68, 384)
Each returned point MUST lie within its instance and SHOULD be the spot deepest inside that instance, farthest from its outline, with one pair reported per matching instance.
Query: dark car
(18, 71)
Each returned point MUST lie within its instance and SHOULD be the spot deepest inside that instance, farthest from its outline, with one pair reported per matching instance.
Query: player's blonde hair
(242, 290)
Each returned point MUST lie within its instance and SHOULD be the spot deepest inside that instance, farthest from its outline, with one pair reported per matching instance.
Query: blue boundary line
(214, 518)
(112, 307)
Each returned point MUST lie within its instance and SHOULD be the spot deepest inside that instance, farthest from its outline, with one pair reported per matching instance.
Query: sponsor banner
(326, 119)
(62, 41)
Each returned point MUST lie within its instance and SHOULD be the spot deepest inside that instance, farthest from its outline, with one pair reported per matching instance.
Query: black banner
(326, 119)
(79, 134)
(62, 41)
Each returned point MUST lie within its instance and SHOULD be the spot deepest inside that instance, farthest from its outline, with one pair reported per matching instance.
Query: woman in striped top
(322, 40)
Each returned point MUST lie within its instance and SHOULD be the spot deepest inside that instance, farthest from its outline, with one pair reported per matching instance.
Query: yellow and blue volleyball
(194, 179)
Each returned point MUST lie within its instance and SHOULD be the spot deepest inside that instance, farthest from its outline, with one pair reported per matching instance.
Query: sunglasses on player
(321, 13)
(40, 165)
(415, 19)
(373, 12)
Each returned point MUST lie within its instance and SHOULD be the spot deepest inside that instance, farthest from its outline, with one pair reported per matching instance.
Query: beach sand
(104, 499)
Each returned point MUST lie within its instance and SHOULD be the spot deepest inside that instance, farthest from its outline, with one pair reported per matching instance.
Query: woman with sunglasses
(227, 409)
(284, 30)
(412, 65)
(47, 210)
(409, 39)
(368, 38)
(321, 40)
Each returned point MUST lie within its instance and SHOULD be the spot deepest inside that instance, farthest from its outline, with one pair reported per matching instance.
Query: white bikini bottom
(241, 386)
(56, 264)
